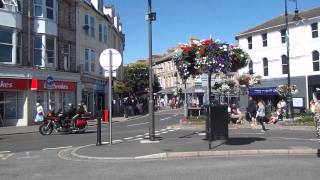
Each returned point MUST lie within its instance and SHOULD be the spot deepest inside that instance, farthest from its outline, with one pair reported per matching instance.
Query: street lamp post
(289, 96)
(151, 16)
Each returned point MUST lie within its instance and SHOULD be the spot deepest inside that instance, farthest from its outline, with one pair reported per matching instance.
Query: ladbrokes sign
(13, 84)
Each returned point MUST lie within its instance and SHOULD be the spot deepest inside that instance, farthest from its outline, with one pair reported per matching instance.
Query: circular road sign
(112, 54)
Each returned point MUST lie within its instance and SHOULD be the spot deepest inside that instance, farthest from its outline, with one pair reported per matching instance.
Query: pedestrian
(261, 114)
(252, 111)
(40, 113)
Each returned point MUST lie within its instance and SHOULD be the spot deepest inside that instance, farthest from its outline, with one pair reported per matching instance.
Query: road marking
(6, 156)
(5, 152)
(157, 134)
(128, 138)
(138, 124)
(139, 135)
(138, 139)
(27, 156)
(163, 119)
(65, 147)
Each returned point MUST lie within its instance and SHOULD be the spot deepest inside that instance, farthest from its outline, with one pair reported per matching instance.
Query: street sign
(105, 58)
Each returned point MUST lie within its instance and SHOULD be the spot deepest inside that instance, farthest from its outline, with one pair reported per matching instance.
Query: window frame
(315, 60)
(264, 39)
(284, 64)
(249, 42)
(89, 60)
(100, 32)
(53, 51)
(7, 43)
(44, 9)
(283, 33)
(314, 30)
(250, 64)
(265, 66)
(35, 48)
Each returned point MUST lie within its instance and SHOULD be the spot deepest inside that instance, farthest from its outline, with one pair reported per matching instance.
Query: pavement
(188, 140)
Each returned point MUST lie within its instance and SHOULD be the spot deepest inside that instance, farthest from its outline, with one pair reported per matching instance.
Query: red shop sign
(41, 85)
(13, 84)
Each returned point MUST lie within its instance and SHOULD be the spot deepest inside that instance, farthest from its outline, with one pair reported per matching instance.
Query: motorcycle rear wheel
(45, 129)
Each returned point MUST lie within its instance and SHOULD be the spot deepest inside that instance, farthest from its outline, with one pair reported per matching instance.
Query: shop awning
(263, 91)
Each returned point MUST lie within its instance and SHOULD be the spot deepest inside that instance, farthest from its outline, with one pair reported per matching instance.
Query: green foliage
(136, 79)
(305, 119)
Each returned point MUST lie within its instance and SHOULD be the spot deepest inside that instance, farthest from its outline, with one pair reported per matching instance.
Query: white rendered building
(267, 47)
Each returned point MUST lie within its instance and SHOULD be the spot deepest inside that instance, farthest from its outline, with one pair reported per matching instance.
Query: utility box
(218, 122)
(106, 115)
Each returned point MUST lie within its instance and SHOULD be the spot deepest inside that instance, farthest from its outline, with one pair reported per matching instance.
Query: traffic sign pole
(110, 97)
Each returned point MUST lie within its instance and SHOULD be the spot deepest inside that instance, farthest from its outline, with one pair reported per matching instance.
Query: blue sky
(178, 20)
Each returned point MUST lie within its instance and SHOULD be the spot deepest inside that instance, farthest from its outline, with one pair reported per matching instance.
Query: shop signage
(13, 84)
(50, 82)
(41, 85)
(266, 91)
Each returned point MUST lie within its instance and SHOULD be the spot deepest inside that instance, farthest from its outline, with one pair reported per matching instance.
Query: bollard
(98, 130)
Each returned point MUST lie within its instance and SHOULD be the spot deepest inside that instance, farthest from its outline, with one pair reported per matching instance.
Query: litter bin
(106, 115)
(219, 122)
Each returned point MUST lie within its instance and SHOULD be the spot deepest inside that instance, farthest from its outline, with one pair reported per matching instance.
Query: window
(37, 43)
(250, 67)
(86, 59)
(264, 40)
(250, 42)
(86, 23)
(89, 23)
(44, 50)
(38, 8)
(1, 4)
(93, 60)
(44, 8)
(5, 46)
(314, 29)
(92, 29)
(105, 33)
(49, 9)
(284, 61)
(89, 61)
(100, 32)
(19, 39)
(315, 60)
(50, 49)
(283, 36)
(66, 57)
(101, 70)
(265, 67)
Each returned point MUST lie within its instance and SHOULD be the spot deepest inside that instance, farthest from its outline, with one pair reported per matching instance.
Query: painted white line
(171, 130)
(157, 134)
(5, 156)
(250, 133)
(163, 119)
(139, 136)
(138, 124)
(163, 129)
(138, 139)
(146, 134)
(5, 151)
(147, 141)
(201, 134)
(164, 132)
(156, 131)
(128, 138)
(65, 147)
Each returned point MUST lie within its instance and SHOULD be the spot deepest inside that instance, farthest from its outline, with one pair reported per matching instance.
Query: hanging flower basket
(208, 56)
(247, 80)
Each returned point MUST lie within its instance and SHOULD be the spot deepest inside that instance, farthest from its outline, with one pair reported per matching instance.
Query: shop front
(12, 101)
(53, 95)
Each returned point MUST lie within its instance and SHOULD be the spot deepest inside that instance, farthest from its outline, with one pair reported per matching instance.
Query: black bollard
(99, 130)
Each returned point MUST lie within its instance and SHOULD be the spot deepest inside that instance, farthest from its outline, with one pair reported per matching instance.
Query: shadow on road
(243, 140)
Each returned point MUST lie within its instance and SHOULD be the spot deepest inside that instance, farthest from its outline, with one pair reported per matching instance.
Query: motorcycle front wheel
(45, 129)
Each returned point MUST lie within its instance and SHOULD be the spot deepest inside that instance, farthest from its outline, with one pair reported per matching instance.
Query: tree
(136, 79)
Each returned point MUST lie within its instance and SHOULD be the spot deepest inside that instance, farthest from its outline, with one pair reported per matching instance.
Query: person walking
(252, 110)
(261, 114)
(40, 113)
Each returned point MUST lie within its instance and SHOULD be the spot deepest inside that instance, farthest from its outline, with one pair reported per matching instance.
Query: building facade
(40, 59)
(98, 28)
(266, 45)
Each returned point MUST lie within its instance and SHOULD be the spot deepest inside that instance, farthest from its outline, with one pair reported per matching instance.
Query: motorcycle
(60, 123)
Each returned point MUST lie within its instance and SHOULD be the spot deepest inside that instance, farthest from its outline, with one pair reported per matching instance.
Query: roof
(280, 21)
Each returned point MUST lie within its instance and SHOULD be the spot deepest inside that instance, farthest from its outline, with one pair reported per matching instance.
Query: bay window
(10, 46)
